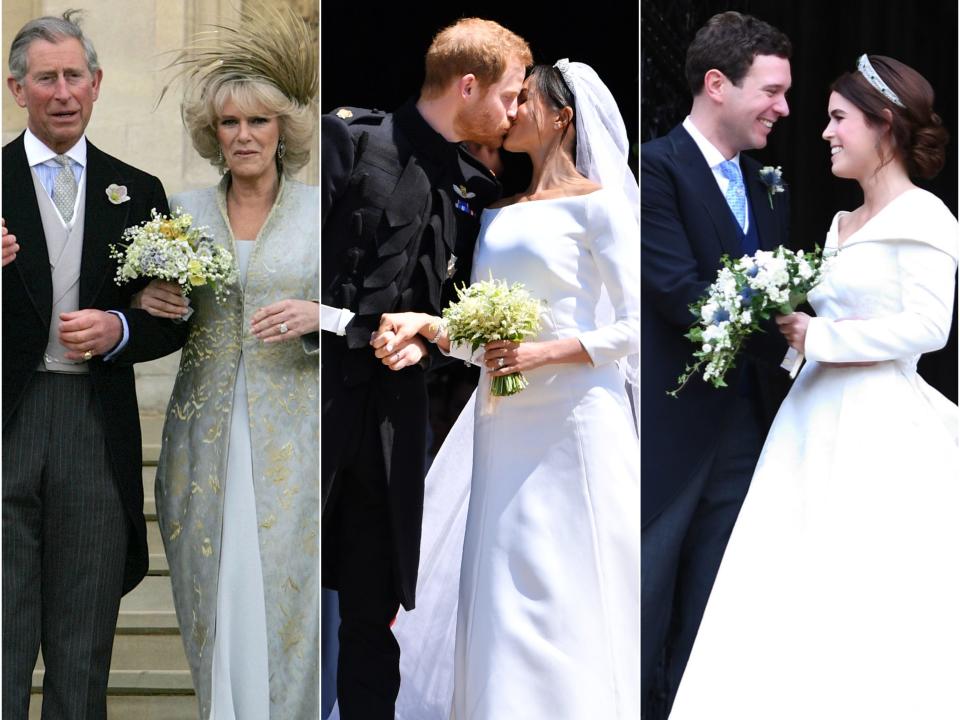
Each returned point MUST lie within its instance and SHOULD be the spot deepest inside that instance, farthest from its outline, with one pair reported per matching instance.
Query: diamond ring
(88, 355)
(501, 362)
(283, 328)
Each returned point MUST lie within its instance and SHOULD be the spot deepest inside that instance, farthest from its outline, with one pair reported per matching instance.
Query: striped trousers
(64, 538)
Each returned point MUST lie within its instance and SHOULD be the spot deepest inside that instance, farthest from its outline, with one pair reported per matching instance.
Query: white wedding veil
(602, 145)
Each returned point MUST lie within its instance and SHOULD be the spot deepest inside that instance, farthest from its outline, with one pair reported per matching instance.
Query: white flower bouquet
(491, 310)
(746, 292)
(170, 248)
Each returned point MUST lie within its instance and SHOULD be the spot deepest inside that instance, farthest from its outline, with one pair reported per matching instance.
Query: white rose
(708, 310)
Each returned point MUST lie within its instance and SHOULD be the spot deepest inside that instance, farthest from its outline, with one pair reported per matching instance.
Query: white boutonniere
(117, 194)
(772, 177)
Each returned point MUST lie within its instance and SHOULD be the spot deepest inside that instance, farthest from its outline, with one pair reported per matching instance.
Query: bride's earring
(220, 162)
(281, 149)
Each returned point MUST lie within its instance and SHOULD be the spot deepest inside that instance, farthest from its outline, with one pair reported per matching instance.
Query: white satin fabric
(547, 619)
(839, 594)
(239, 686)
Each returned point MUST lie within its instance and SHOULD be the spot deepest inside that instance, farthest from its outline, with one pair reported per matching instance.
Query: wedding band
(88, 355)
(501, 362)
(283, 328)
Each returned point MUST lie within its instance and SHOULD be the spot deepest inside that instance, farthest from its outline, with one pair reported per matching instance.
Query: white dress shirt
(714, 159)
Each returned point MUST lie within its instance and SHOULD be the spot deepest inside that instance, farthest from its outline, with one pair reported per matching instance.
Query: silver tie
(65, 189)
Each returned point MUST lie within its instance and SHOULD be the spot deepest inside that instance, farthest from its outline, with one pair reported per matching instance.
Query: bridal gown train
(547, 620)
(839, 594)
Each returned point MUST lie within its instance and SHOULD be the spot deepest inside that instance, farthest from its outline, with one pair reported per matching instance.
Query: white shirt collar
(710, 153)
(38, 152)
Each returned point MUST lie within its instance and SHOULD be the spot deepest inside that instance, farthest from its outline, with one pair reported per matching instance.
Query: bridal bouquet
(170, 248)
(746, 292)
(491, 310)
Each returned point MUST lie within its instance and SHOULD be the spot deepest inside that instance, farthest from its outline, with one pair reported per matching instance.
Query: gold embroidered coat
(282, 395)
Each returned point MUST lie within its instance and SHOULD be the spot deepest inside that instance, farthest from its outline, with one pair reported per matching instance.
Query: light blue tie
(736, 194)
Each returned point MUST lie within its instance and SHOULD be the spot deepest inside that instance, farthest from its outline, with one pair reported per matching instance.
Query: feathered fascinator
(268, 43)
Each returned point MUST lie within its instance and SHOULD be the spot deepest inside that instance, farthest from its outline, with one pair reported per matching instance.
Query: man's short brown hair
(483, 48)
(729, 42)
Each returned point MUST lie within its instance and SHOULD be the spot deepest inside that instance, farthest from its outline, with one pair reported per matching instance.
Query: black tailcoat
(27, 302)
(400, 212)
(686, 226)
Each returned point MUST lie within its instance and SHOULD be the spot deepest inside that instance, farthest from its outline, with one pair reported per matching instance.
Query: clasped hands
(277, 322)
(399, 343)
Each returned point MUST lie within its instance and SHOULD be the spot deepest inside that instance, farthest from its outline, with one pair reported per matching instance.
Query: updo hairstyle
(917, 131)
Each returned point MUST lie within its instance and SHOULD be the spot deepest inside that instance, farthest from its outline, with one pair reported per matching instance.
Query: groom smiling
(701, 197)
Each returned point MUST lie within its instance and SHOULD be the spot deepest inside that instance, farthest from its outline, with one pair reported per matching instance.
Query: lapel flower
(772, 177)
(117, 194)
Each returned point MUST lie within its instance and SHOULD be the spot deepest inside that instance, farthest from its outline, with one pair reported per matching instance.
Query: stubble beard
(479, 126)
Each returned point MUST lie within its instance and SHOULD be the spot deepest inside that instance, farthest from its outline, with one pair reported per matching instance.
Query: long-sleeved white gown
(548, 618)
(839, 593)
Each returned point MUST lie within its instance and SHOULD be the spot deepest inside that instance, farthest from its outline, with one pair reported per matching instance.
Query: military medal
(462, 205)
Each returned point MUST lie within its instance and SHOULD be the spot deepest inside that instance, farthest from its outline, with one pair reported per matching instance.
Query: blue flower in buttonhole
(772, 178)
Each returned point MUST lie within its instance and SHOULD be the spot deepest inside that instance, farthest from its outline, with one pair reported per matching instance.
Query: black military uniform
(400, 215)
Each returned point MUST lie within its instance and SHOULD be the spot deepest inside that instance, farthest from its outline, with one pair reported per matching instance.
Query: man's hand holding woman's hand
(397, 343)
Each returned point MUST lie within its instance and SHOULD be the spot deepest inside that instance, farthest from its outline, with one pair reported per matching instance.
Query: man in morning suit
(400, 207)
(702, 198)
(74, 538)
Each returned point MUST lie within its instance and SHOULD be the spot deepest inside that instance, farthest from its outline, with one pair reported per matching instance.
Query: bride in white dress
(839, 594)
(548, 617)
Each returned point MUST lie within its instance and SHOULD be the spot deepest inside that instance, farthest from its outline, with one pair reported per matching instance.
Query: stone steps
(140, 706)
(149, 674)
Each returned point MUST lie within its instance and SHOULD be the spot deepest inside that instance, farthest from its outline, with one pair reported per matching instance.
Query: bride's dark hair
(551, 87)
(917, 131)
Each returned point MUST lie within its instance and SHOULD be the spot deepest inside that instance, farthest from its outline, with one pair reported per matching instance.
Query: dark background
(372, 52)
(827, 38)
(371, 55)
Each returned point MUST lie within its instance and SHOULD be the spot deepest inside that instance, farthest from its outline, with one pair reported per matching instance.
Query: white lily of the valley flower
(117, 193)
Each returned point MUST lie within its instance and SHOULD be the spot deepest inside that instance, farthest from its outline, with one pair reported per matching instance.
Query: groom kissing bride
(551, 533)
